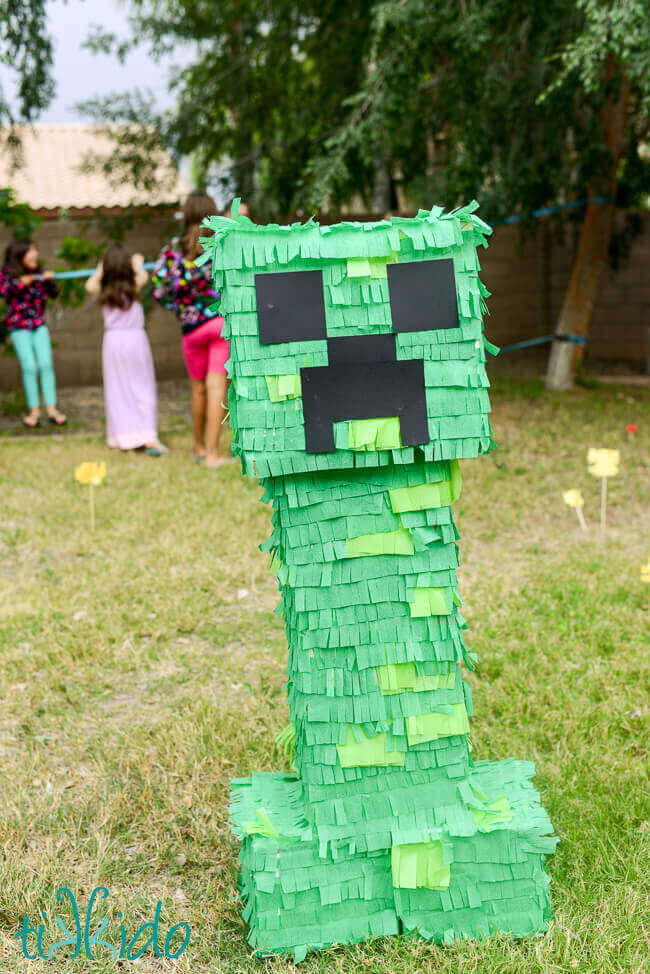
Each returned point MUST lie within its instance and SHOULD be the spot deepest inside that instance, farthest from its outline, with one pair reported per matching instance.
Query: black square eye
(290, 306)
(423, 295)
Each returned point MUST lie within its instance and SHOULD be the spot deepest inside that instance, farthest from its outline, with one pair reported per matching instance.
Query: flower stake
(574, 499)
(603, 464)
(92, 474)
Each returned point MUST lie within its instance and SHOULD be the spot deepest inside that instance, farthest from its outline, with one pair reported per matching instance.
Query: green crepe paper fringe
(297, 898)
(386, 796)
(265, 404)
(429, 786)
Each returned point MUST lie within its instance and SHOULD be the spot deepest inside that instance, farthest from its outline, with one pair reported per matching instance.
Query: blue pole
(86, 272)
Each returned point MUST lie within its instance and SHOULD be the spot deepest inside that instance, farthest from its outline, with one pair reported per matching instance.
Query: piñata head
(353, 345)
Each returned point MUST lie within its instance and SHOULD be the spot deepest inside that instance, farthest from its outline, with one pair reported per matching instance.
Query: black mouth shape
(364, 380)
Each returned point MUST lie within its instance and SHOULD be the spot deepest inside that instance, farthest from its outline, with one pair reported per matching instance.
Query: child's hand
(48, 275)
(27, 279)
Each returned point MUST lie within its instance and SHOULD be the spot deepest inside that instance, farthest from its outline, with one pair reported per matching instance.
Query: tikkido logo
(82, 937)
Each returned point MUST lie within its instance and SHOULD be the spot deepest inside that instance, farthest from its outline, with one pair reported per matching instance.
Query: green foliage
(265, 88)
(26, 57)
(139, 154)
(13, 403)
(508, 96)
(77, 252)
(309, 104)
(610, 29)
(17, 216)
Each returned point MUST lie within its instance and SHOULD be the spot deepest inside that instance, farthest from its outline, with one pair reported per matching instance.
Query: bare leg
(215, 384)
(198, 416)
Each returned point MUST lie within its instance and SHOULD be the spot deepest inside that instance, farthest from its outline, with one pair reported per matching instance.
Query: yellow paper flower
(603, 463)
(90, 473)
(645, 571)
(573, 498)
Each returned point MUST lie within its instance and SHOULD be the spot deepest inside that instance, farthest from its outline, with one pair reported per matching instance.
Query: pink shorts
(205, 350)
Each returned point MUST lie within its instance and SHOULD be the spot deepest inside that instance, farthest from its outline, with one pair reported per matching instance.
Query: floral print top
(184, 288)
(25, 302)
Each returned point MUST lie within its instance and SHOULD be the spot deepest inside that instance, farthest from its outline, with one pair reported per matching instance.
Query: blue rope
(516, 218)
(548, 210)
(574, 339)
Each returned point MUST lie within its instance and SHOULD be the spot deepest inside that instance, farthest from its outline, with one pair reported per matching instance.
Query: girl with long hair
(26, 287)
(127, 363)
(186, 289)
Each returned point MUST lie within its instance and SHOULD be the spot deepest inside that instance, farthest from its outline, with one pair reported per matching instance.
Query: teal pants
(34, 351)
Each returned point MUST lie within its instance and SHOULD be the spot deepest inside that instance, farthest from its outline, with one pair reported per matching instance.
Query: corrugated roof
(51, 175)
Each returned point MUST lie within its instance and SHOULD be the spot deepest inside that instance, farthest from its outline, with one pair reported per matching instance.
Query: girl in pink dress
(127, 364)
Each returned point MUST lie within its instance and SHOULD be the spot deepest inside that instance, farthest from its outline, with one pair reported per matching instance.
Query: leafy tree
(517, 102)
(265, 88)
(26, 51)
(17, 216)
(521, 103)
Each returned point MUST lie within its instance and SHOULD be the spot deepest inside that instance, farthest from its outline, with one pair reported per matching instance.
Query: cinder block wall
(77, 337)
(527, 281)
(515, 273)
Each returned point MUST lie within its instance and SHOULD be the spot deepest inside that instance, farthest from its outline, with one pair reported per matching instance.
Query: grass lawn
(143, 667)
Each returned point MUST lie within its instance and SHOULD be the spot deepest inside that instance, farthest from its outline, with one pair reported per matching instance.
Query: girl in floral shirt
(187, 290)
(25, 288)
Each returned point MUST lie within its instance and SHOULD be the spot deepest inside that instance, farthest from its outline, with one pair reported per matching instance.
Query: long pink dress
(129, 379)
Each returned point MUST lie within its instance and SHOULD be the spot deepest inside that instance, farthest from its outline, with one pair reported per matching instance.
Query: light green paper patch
(369, 266)
(369, 751)
(374, 434)
(429, 601)
(384, 543)
(422, 497)
(497, 811)
(283, 387)
(263, 825)
(419, 864)
(430, 727)
(399, 677)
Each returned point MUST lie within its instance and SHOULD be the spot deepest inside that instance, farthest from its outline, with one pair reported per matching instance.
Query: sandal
(59, 420)
(31, 426)
(156, 451)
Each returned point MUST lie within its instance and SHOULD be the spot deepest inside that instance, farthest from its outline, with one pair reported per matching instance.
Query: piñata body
(387, 825)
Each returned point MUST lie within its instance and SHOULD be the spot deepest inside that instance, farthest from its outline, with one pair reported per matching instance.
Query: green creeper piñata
(358, 383)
